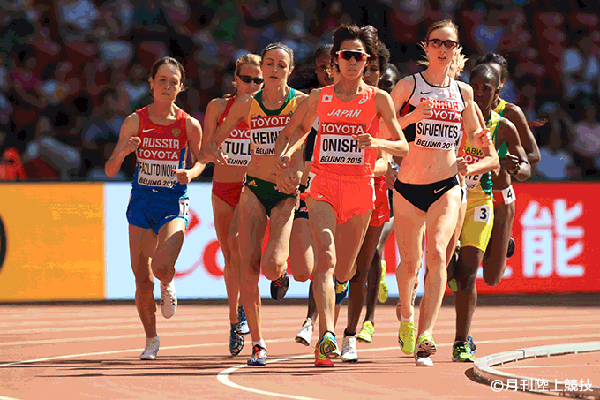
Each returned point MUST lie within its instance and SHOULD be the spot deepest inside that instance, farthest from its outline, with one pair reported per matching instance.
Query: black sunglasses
(248, 79)
(437, 43)
(348, 54)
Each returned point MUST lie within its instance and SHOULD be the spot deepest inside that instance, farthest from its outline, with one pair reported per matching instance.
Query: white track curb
(483, 369)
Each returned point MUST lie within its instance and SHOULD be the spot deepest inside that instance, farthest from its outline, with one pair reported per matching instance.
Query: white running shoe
(305, 334)
(349, 349)
(152, 345)
(168, 299)
(423, 362)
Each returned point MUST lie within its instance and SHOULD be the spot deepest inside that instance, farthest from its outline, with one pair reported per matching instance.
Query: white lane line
(100, 353)
(192, 332)
(223, 377)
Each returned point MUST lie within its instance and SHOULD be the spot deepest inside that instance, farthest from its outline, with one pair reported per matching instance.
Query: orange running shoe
(321, 360)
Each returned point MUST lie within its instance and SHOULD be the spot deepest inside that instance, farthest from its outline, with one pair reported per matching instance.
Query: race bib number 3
(340, 149)
(483, 214)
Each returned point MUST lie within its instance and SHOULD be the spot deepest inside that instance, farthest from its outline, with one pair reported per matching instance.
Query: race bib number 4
(340, 149)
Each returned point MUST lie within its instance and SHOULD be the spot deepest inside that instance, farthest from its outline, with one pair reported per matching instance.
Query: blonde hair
(460, 59)
(247, 59)
(443, 23)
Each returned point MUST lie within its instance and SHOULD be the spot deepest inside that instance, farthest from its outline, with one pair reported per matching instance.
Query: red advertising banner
(557, 248)
(556, 240)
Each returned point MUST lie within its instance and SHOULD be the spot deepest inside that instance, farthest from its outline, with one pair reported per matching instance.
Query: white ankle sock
(409, 319)
(261, 343)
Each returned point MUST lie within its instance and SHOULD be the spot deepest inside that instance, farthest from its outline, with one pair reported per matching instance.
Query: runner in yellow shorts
(479, 217)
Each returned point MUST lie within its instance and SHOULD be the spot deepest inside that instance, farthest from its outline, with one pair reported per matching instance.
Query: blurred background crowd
(72, 70)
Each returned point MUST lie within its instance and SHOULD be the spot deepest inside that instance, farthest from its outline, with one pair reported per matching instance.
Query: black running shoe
(511, 248)
(280, 286)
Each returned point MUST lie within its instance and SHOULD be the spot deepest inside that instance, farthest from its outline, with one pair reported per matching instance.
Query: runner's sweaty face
(484, 90)
(276, 66)
(166, 84)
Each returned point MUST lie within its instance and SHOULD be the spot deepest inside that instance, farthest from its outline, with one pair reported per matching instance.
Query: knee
(327, 259)
(408, 266)
(359, 277)
(466, 277)
(144, 285)
(491, 279)
(232, 245)
(301, 276)
(437, 256)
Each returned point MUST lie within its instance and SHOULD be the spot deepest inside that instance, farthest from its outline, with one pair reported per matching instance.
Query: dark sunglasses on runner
(248, 79)
(437, 43)
(348, 54)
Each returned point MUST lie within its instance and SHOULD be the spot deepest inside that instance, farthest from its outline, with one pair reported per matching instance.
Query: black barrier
(2, 243)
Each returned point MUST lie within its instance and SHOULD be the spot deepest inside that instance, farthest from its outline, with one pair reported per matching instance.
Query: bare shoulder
(314, 95)
(513, 110)
(403, 88)
(217, 104)
(301, 95)
(506, 123)
(507, 128)
(381, 94)
(244, 99)
(131, 124)
(191, 122)
(465, 89)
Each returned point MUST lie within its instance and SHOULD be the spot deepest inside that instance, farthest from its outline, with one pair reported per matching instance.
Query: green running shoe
(366, 332)
(383, 287)
(406, 336)
(461, 352)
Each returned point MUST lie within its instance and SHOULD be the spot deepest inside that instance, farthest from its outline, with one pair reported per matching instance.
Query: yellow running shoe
(406, 336)
(383, 288)
(366, 332)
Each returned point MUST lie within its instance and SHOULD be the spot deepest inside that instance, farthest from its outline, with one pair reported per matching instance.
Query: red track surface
(91, 352)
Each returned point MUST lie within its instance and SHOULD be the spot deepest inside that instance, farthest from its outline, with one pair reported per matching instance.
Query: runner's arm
(127, 144)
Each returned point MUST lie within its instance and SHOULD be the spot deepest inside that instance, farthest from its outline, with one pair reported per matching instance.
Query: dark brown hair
(366, 34)
(281, 46)
(168, 60)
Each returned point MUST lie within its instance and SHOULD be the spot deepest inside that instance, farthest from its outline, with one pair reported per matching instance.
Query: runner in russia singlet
(237, 145)
(335, 150)
(442, 129)
(162, 150)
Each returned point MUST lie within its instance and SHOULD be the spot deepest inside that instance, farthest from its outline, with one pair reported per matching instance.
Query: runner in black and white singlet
(158, 210)
(427, 189)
